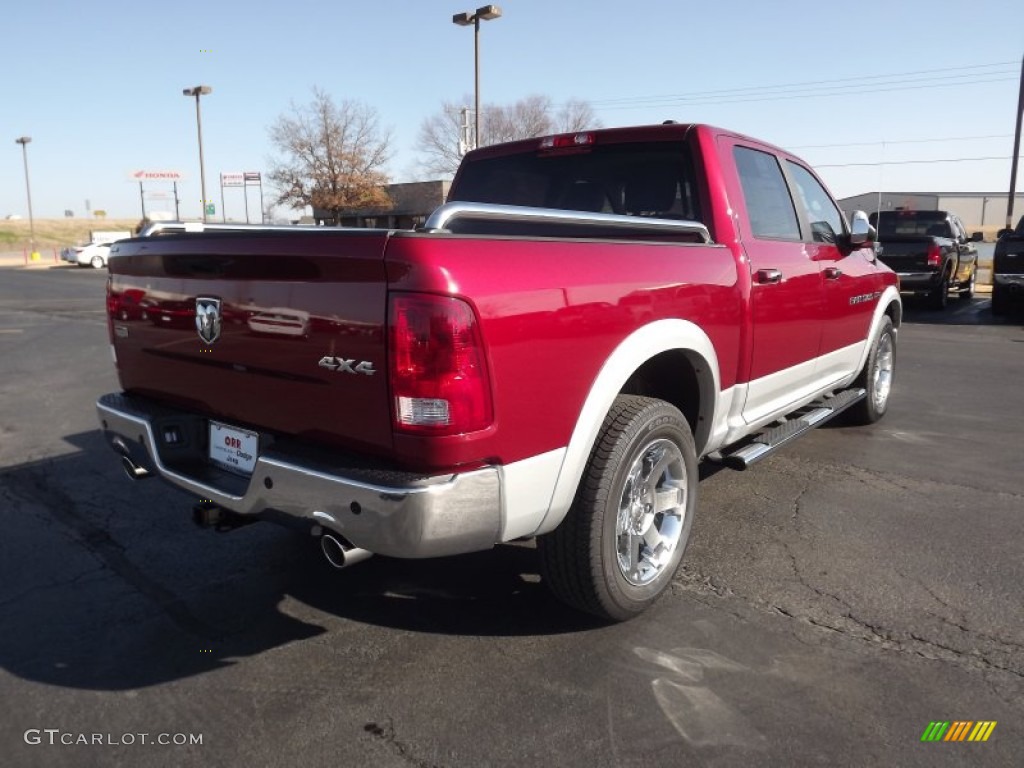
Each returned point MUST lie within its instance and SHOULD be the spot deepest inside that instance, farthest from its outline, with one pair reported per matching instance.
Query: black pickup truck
(930, 251)
(1008, 269)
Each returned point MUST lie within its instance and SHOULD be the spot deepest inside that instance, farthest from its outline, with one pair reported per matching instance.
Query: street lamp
(200, 90)
(485, 12)
(24, 140)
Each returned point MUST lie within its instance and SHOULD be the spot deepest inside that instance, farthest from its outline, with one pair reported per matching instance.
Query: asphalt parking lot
(835, 599)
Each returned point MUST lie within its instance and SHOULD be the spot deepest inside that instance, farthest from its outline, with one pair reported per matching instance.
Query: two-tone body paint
(552, 313)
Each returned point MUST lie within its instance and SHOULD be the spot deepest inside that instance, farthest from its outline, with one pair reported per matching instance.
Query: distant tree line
(333, 156)
(439, 144)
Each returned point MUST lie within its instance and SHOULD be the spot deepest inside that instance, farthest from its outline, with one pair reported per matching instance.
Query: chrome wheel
(651, 512)
(881, 375)
(968, 292)
(615, 552)
(876, 377)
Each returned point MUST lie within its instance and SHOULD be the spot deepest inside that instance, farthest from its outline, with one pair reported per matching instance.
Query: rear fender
(639, 347)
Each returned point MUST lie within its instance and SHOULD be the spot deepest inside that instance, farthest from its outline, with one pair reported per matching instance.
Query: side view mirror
(861, 231)
(977, 237)
(1003, 233)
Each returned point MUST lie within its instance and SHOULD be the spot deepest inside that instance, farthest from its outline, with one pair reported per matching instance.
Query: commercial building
(981, 211)
(411, 203)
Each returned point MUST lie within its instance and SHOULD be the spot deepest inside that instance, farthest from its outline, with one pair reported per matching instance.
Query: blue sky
(98, 85)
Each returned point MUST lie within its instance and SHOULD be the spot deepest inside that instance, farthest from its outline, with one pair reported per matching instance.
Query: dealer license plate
(232, 448)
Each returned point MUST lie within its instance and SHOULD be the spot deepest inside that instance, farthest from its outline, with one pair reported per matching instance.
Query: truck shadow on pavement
(107, 585)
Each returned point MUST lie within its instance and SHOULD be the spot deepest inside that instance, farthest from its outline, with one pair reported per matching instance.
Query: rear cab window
(911, 223)
(650, 179)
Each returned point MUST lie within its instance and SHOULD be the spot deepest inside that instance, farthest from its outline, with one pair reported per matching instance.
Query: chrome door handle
(769, 276)
(833, 273)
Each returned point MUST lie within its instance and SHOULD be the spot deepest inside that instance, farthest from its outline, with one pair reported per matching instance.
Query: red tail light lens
(439, 381)
(934, 256)
(566, 140)
(112, 305)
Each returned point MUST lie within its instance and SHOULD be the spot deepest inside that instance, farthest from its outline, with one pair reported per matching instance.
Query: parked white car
(91, 255)
(95, 252)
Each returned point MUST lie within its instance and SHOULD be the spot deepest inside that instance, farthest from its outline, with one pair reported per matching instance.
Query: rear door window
(769, 205)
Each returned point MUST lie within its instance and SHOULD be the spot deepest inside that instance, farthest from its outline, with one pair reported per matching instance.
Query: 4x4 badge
(208, 318)
(341, 365)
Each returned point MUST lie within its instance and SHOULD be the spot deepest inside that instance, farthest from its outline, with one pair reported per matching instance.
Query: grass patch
(57, 233)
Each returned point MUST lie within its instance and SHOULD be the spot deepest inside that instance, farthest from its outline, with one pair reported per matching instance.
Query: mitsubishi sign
(144, 175)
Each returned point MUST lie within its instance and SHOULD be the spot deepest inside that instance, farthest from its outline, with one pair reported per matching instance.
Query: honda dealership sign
(144, 175)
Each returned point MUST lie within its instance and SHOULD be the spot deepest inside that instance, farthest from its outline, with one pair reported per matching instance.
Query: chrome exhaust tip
(339, 555)
(133, 470)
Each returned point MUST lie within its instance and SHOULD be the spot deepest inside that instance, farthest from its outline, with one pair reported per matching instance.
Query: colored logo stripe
(982, 731)
(958, 730)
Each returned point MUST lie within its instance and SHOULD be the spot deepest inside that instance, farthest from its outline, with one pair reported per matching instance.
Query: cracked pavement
(834, 600)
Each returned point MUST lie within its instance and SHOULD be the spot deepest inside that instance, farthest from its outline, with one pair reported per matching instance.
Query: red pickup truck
(550, 355)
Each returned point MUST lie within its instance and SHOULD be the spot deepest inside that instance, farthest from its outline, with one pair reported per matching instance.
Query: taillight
(566, 140)
(112, 306)
(439, 382)
(934, 255)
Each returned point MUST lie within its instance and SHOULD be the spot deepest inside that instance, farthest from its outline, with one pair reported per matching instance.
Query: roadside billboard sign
(232, 179)
(252, 177)
(143, 174)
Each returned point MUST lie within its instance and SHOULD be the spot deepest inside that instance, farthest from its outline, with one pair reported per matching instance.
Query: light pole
(24, 140)
(486, 13)
(1016, 150)
(200, 90)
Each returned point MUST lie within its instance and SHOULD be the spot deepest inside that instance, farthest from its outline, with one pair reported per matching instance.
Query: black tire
(1000, 301)
(968, 293)
(582, 559)
(875, 378)
(938, 297)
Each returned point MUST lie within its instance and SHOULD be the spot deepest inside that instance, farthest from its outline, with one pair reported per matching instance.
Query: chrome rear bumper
(918, 281)
(388, 512)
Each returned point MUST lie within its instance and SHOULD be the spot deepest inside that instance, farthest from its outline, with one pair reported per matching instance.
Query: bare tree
(575, 115)
(525, 119)
(439, 138)
(332, 156)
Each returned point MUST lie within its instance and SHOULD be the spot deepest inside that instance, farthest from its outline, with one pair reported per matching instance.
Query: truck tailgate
(907, 254)
(293, 329)
(1009, 256)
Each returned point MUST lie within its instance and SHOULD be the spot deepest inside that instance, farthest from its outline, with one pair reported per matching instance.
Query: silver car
(89, 255)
